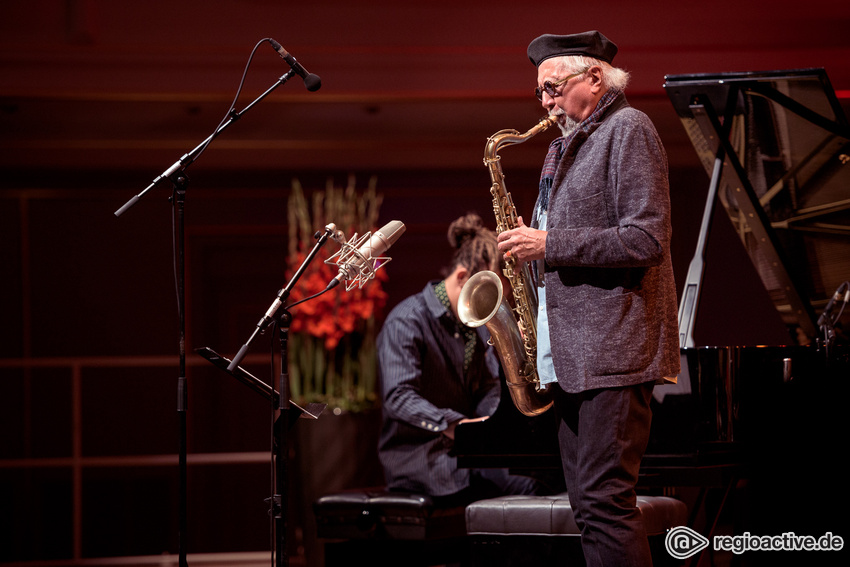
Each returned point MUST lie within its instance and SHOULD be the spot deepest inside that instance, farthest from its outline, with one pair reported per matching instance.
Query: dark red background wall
(98, 98)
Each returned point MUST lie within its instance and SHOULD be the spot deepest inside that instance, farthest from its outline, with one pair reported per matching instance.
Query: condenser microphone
(311, 81)
(359, 259)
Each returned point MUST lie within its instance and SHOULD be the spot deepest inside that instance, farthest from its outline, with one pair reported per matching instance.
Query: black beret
(592, 44)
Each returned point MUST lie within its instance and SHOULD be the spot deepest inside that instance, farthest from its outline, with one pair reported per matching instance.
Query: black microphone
(311, 81)
(358, 260)
(827, 312)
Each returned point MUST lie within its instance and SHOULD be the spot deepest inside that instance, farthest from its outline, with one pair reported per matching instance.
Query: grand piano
(775, 146)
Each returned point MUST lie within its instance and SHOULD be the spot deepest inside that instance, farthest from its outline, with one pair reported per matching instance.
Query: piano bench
(540, 530)
(389, 528)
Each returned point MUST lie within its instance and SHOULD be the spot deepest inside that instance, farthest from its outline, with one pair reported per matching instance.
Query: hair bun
(464, 229)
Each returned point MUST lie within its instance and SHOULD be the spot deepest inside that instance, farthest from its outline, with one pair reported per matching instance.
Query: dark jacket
(420, 361)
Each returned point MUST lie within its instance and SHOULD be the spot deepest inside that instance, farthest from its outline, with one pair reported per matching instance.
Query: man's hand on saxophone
(523, 244)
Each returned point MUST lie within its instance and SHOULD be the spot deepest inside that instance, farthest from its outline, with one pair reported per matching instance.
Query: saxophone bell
(482, 302)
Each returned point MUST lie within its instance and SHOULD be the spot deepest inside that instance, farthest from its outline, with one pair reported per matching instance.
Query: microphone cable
(230, 111)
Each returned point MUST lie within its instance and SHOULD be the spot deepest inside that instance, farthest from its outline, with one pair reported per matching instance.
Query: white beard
(565, 123)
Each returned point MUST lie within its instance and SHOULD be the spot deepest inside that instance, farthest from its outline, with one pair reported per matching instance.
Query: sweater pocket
(616, 343)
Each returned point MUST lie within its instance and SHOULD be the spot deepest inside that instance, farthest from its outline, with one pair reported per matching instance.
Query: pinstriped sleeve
(405, 347)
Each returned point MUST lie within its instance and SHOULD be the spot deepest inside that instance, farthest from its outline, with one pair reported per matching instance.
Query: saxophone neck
(509, 137)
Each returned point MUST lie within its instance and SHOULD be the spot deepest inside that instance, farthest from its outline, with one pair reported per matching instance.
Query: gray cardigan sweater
(610, 293)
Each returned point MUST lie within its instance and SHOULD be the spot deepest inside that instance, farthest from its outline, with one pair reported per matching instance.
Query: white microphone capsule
(359, 259)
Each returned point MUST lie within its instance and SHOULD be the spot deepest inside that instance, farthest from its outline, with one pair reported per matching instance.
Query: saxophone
(482, 302)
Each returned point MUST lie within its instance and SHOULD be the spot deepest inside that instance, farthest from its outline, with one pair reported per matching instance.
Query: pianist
(436, 373)
(599, 241)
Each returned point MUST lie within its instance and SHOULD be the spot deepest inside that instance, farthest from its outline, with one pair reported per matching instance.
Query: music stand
(292, 412)
(774, 144)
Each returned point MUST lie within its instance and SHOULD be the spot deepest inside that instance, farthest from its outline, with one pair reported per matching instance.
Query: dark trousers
(603, 435)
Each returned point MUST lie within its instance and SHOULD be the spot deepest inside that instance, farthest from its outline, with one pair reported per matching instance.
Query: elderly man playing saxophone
(599, 245)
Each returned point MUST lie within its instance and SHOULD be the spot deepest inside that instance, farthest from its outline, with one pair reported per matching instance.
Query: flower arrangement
(332, 353)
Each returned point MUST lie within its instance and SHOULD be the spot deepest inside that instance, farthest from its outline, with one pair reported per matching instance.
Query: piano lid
(775, 146)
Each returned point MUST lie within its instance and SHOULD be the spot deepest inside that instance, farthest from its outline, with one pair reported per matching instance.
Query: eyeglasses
(549, 86)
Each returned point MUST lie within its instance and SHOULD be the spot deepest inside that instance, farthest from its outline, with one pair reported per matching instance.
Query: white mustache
(565, 123)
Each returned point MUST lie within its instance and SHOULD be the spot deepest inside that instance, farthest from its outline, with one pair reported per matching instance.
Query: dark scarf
(559, 144)
(469, 334)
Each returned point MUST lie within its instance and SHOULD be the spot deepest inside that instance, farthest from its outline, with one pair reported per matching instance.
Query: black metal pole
(282, 443)
(278, 313)
(178, 202)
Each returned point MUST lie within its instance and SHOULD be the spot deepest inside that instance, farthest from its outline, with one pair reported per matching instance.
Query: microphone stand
(189, 158)
(826, 321)
(177, 175)
(282, 296)
(284, 321)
